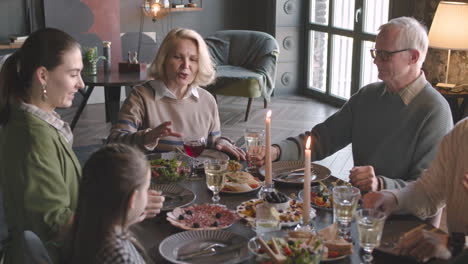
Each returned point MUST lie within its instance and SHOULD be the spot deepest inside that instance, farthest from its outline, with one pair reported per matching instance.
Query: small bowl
(279, 206)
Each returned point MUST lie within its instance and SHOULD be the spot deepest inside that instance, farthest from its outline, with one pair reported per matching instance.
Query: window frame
(358, 37)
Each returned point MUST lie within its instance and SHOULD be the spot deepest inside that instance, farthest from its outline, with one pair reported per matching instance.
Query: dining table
(151, 232)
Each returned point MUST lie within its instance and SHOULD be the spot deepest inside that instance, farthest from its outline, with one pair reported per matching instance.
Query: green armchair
(245, 64)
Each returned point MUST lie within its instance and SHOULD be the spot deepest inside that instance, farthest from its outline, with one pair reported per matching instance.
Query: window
(341, 33)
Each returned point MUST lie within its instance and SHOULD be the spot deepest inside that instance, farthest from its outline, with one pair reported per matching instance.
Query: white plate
(209, 154)
(209, 212)
(294, 212)
(319, 172)
(191, 241)
(175, 195)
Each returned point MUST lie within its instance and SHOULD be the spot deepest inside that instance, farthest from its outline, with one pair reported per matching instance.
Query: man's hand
(155, 203)
(226, 146)
(259, 158)
(424, 245)
(163, 130)
(363, 177)
(383, 201)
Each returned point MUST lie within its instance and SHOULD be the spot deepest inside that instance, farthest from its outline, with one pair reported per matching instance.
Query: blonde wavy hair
(206, 70)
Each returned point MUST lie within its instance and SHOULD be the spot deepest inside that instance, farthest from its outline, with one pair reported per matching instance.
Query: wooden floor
(291, 116)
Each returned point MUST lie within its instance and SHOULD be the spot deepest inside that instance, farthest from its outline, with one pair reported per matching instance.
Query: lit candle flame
(308, 142)
(268, 114)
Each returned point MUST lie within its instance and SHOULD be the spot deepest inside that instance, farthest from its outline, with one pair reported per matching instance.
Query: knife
(211, 251)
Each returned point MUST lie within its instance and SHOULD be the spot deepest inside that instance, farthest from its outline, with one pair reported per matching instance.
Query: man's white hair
(412, 35)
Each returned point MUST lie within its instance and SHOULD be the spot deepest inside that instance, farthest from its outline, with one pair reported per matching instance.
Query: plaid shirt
(52, 119)
(119, 249)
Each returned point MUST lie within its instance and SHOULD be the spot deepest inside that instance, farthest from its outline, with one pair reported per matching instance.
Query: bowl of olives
(278, 200)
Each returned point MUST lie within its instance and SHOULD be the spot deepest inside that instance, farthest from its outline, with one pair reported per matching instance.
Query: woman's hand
(155, 203)
(226, 146)
(163, 130)
(424, 245)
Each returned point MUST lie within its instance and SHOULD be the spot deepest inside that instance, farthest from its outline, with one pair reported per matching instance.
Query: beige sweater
(147, 106)
(442, 183)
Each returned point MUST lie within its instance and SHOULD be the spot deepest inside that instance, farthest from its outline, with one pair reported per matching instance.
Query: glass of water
(215, 171)
(254, 143)
(345, 201)
(370, 224)
(266, 219)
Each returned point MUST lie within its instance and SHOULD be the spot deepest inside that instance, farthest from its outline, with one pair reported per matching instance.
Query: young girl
(113, 196)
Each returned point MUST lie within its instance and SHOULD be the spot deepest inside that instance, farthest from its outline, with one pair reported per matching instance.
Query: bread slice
(237, 187)
(340, 245)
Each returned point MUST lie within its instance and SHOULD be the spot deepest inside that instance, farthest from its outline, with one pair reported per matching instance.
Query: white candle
(306, 205)
(267, 149)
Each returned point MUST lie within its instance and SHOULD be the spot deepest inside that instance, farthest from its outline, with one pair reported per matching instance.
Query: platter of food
(174, 195)
(176, 247)
(335, 248)
(292, 172)
(289, 217)
(209, 154)
(202, 217)
(287, 247)
(321, 193)
(240, 182)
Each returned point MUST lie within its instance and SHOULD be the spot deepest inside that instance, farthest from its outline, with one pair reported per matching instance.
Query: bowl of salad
(299, 247)
(168, 170)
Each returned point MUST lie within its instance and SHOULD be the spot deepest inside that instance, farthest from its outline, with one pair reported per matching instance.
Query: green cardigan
(39, 176)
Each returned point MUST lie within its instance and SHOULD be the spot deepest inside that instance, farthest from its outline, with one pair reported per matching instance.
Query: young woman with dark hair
(39, 172)
(113, 196)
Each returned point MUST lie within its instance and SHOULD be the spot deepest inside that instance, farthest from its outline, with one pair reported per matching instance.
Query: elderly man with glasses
(394, 125)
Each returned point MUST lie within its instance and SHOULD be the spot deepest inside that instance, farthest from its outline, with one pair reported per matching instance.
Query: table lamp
(448, 31)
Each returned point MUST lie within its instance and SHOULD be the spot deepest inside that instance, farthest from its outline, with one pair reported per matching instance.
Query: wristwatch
(456, 243)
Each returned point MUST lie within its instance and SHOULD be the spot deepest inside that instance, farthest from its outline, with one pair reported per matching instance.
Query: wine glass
(254, 142)
(215, 171)
(370, 224)
(194, 147)
(345, 201)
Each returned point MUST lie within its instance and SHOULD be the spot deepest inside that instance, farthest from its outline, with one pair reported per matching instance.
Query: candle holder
(266, 188)
(310, 226)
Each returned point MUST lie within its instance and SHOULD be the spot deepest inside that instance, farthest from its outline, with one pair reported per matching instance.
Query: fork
(206, 250)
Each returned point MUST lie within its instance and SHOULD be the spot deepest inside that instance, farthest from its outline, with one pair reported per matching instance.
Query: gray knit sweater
(398, 140)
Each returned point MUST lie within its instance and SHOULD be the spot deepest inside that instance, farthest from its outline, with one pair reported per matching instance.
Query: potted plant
(90, 59)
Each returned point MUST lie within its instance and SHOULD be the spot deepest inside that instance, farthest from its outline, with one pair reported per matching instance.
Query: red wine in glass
(194, 149)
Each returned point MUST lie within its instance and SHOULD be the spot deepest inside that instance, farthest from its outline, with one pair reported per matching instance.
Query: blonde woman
(174, 101)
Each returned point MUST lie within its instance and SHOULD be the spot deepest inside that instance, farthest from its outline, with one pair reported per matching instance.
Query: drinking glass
(345, 200)
(215, 171)
(266, 219)
(370, 224)
(254, 143)
(194, 147)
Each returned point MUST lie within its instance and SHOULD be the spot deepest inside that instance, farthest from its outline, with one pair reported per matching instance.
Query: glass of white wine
(254, 144)
(345, 201)
(215, 171)
(370, 224)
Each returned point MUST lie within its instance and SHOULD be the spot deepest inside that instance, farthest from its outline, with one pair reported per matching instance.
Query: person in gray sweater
(394, 126)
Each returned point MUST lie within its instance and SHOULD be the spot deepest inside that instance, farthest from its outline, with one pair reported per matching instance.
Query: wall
(12, 18)
(436, 60)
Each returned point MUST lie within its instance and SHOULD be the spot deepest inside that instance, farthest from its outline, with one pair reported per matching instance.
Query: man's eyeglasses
(384, 55)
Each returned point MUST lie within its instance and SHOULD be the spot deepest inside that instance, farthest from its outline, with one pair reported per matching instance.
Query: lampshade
(448, 30)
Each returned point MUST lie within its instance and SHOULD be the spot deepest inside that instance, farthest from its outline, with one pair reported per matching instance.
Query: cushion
(219, 50)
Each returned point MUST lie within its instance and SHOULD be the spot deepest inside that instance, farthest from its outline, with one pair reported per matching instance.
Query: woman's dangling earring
(44, 93)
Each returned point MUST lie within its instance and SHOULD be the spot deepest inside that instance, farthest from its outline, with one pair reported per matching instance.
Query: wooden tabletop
(152, 231)
(114, 78)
